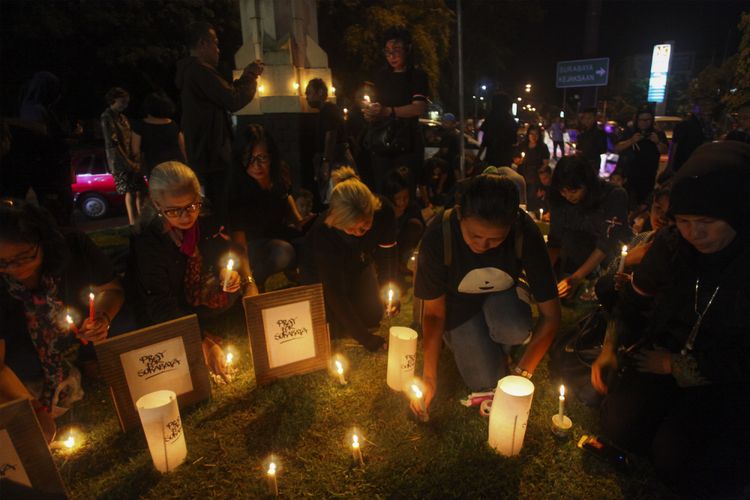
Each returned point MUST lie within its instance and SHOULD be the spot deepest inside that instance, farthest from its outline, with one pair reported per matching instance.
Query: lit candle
(230, 358)
(623, 254)
(523, 154)
(346, 113)
(91, 306)
(390, 300)
(357, 450)
(230, 266)
(73, 328)
(340, 371)
(366, 98)
(419, 397)
(561, 405)
(70, 442)
(273, 486)
(333, 90)
(541, 214)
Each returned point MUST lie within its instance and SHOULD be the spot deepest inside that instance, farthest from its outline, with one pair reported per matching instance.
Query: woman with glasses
(400, 96)
(263, 218)
(178, 259)
(341, 251)
(46, 276)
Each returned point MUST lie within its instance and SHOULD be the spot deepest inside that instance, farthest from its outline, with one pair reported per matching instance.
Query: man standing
(592, 141)
(639, 150)
(207, 98)
(331, 146)
(558, 139)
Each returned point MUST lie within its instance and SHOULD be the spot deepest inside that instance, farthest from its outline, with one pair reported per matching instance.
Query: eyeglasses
(261, 159)
(398, 51)
(174, 213)
(19, 261)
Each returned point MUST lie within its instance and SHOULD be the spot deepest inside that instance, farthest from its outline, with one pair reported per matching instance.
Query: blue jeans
(478, 344)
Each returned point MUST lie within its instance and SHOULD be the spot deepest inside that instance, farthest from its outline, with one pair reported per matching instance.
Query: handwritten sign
(289, 333)
(155, 367)
(10, 463)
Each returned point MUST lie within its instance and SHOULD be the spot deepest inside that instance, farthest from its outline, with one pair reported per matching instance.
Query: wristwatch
(520, 371)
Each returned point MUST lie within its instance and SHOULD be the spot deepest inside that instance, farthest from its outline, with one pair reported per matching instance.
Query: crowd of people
(679, 297)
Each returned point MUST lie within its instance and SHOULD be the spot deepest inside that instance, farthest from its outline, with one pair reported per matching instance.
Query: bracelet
(520, 371)
(250, 279)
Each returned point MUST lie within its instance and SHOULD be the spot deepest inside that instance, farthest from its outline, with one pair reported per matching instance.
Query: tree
(739, 92)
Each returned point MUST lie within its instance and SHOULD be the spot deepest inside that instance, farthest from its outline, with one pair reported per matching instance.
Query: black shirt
(601, 223)
(499, 137)
(332, 257)
(470, 276)
(159, 143)
(261, 213)
(329, 120)
(592, 143)
(87, 266)
(402, 88)
(641, 161)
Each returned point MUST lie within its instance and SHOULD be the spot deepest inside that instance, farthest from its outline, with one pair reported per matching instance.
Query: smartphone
(605, 451)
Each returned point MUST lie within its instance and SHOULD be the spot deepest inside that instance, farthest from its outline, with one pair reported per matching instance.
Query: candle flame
(70, 442)
(91, 296)
(417, 391)
(562, 391)
(230, 265)
(68, 319)
(624, 250)
(523, 154)
(261, 88)
(339, 367)
(366, 98)
(355, 441)
(390, 294)
(272, 469)
(230, 358)
(295, 85)
(346, 110)
(333, 90)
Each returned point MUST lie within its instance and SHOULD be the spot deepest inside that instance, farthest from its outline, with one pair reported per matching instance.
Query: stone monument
(284, 35)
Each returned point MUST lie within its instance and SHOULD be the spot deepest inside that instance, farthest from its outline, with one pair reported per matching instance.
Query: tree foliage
(741, 74)
(429, 21)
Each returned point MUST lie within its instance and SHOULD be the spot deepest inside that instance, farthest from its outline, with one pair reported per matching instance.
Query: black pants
(364, 293)
(214, 188)
(555, 145)
(698, 437)
(408, 239)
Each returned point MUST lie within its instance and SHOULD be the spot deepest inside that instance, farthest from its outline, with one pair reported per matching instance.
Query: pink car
(94, 188)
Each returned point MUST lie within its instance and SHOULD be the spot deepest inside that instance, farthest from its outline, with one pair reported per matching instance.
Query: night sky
(627, 28)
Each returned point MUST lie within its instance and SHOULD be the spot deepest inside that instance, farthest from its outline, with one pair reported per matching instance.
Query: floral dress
(122, 165)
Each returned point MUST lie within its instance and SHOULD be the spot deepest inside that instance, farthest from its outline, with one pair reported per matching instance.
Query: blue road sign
(583, 73)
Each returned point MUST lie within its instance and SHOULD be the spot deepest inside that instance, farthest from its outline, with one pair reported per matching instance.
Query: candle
(366, 98)
(273, 486)
(541, 214)
(70, 441)
(418, 396)
(390, 300)
(74, 329)
(340, 371)
(623, 254)
(346, 113)
(357, 450)
(561, 406)
(230, 358)
(91, 305)
(230, 266)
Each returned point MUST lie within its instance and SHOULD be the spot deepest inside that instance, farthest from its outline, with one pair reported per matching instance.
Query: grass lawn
(304, 422)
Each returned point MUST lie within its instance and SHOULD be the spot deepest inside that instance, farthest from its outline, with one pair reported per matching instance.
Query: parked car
(667, 124)
(94, 188)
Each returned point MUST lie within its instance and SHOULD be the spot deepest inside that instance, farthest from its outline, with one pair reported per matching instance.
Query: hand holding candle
(623, 254)
(228, 275)
(418, 396)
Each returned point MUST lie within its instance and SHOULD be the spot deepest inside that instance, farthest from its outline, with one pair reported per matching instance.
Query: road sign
(583, 73)
(657, 82)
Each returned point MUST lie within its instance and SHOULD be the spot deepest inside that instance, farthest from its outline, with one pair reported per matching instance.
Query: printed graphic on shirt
(485, 280)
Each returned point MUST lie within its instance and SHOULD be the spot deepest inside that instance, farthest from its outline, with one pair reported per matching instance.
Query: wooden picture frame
(168, 350)
(288, 332)
(29, 461)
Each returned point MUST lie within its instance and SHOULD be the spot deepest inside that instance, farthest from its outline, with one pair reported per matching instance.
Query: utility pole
(459, 34)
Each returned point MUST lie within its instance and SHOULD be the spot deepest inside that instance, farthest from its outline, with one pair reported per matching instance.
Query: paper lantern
(510, 413)
(402, 356)
(160, 417)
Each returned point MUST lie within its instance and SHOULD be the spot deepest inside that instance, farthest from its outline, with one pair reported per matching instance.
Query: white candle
(561, 406)
(357, 450)
(230, 266)
(419, 397)
(390, 301)
(273, 486)
(623, 254)
(541, 213)
(340, 372)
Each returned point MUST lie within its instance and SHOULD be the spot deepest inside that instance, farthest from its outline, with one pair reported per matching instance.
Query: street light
(518, 99)
(484, 87)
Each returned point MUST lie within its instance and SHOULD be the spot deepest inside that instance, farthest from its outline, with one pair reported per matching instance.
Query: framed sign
(167, 356)
(288, 332)
(24, 456)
